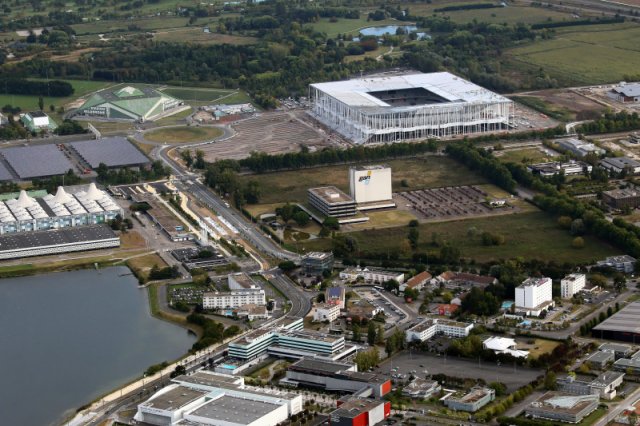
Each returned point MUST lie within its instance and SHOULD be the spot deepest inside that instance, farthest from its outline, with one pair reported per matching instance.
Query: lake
(70, 337)
(391, 29)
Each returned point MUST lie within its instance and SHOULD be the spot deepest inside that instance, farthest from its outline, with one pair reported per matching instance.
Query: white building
(504, 345)
(326, 312)
(241, 281)
(370, 186)
(572, 284)
(580, 148)
(233, 299)
(371, 275)
(432, 326)
(534, 295)
(626, 92)
(206, 398)
(405, 107)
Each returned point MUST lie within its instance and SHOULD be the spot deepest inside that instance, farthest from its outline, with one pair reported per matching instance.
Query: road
(613, 413)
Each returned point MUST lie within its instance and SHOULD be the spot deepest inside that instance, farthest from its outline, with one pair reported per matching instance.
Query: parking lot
(410, 361)
(393, 314)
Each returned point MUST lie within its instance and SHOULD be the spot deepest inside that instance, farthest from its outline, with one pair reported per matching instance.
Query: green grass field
(197, 35)
(175, 135)
(196, 93)
(523, 156)
(349, 26)
(533, 235)
(584, 55)
(426, 172)
(106, 27)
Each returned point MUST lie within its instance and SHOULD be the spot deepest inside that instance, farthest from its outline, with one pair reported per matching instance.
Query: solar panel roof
(37, 161)
(5, 174)
(113, 152)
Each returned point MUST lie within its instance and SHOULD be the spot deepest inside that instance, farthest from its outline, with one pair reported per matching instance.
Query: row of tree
(19, 86)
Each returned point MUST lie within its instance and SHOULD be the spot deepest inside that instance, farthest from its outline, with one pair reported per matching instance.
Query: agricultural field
(183, 134)
(197, 35)
(584, 55)
(533, 235)
(417, 173)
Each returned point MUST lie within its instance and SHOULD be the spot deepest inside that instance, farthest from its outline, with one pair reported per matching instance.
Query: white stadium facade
(406, 107)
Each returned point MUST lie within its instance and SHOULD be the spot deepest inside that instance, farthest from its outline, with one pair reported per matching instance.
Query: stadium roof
(37, 161)
(626, 320)
(446, 86)
(54, 237)
(113, 152)
(142, 101)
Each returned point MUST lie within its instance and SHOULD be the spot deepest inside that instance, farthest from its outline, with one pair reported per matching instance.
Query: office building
(316, 262)
(619, 164)
(360, 412)
(421, 388)
(471, 401)
(562, 407)
(326, 312)
(572, 284)
(370, 187)
(534, 295)
(233, 298)
(604, 386)
(371, 275)
(580, 148)
(623, 263)
(432, 326)
(600, 359)
(332, 202)
(571, 168)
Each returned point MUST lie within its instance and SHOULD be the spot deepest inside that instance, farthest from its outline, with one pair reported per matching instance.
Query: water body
(67, 338)
(391, 29)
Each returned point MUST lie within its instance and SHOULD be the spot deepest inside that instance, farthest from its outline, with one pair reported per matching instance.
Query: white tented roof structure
(402, 107)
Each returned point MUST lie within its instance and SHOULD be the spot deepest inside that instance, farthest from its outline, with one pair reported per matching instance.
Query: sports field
(417, 173)
(584, 55)
(533, 235)
(183, 134)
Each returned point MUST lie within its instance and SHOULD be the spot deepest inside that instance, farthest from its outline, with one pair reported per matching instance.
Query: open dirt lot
(272, 133)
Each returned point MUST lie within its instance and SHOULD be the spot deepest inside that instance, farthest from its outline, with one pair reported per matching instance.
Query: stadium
(405, 107)
(129, 103)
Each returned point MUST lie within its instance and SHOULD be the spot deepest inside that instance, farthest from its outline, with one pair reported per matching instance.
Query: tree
(449, 254)
(178, 371)
(371, 333)
(301, 218)
(413, 237)
(577, 243)
(331, 223)
(41, 103)
(199, 162)
(287, 265)
(619, 282)
(598, 280)
(380, 335)
(550, 381)
(355, 329)
(186, 157)
(367, 359)
(564, 222)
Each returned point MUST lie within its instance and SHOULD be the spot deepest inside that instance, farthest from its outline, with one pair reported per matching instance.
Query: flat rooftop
(371, 167)
(174, 398)
(331, 195)
(232, 409)
(55, 237)
(473, 395)
(424, 325)
(626, 320)
(564, 403)
(600, 356)
(623, 193)
(534, 282)
(615, 347)
(312, 364)
(113, 152)
(353, 407)
(438, 87)
(37, 161)
(208, 379)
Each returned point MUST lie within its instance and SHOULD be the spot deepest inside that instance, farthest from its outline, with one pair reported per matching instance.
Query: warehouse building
(38, 161)
(580, 148)
(406, 107)
(70, 207)
(619, 164)
(556, 406)
(626, 93)
(471, 401)
(621, 198)
(38, 122)
(129, 103)
(623, 325)
(604, 385)
(335, 376)
(113, 152)
(571, 168)
(206, 398)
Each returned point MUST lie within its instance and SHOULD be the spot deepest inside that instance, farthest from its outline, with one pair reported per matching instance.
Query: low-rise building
(600, 359)
(364, 309)
(619, 164)
(626, 93)
(562, 407)
(417, 282)
(326, 312)
(252, 312)
(471, 401)
(572, 284)
(446, 309)
(360, 411)
(432, 326)
(580, 148)
(570, 168)
(335, 376)
(332, 202)
(620, 350)
(316, 263)
(38, 121)
(421, 388)
(371, 275)
(622, 197)
(604, 385)
(627, 365)
(241, 281)
(623, 263)
(206, 398)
